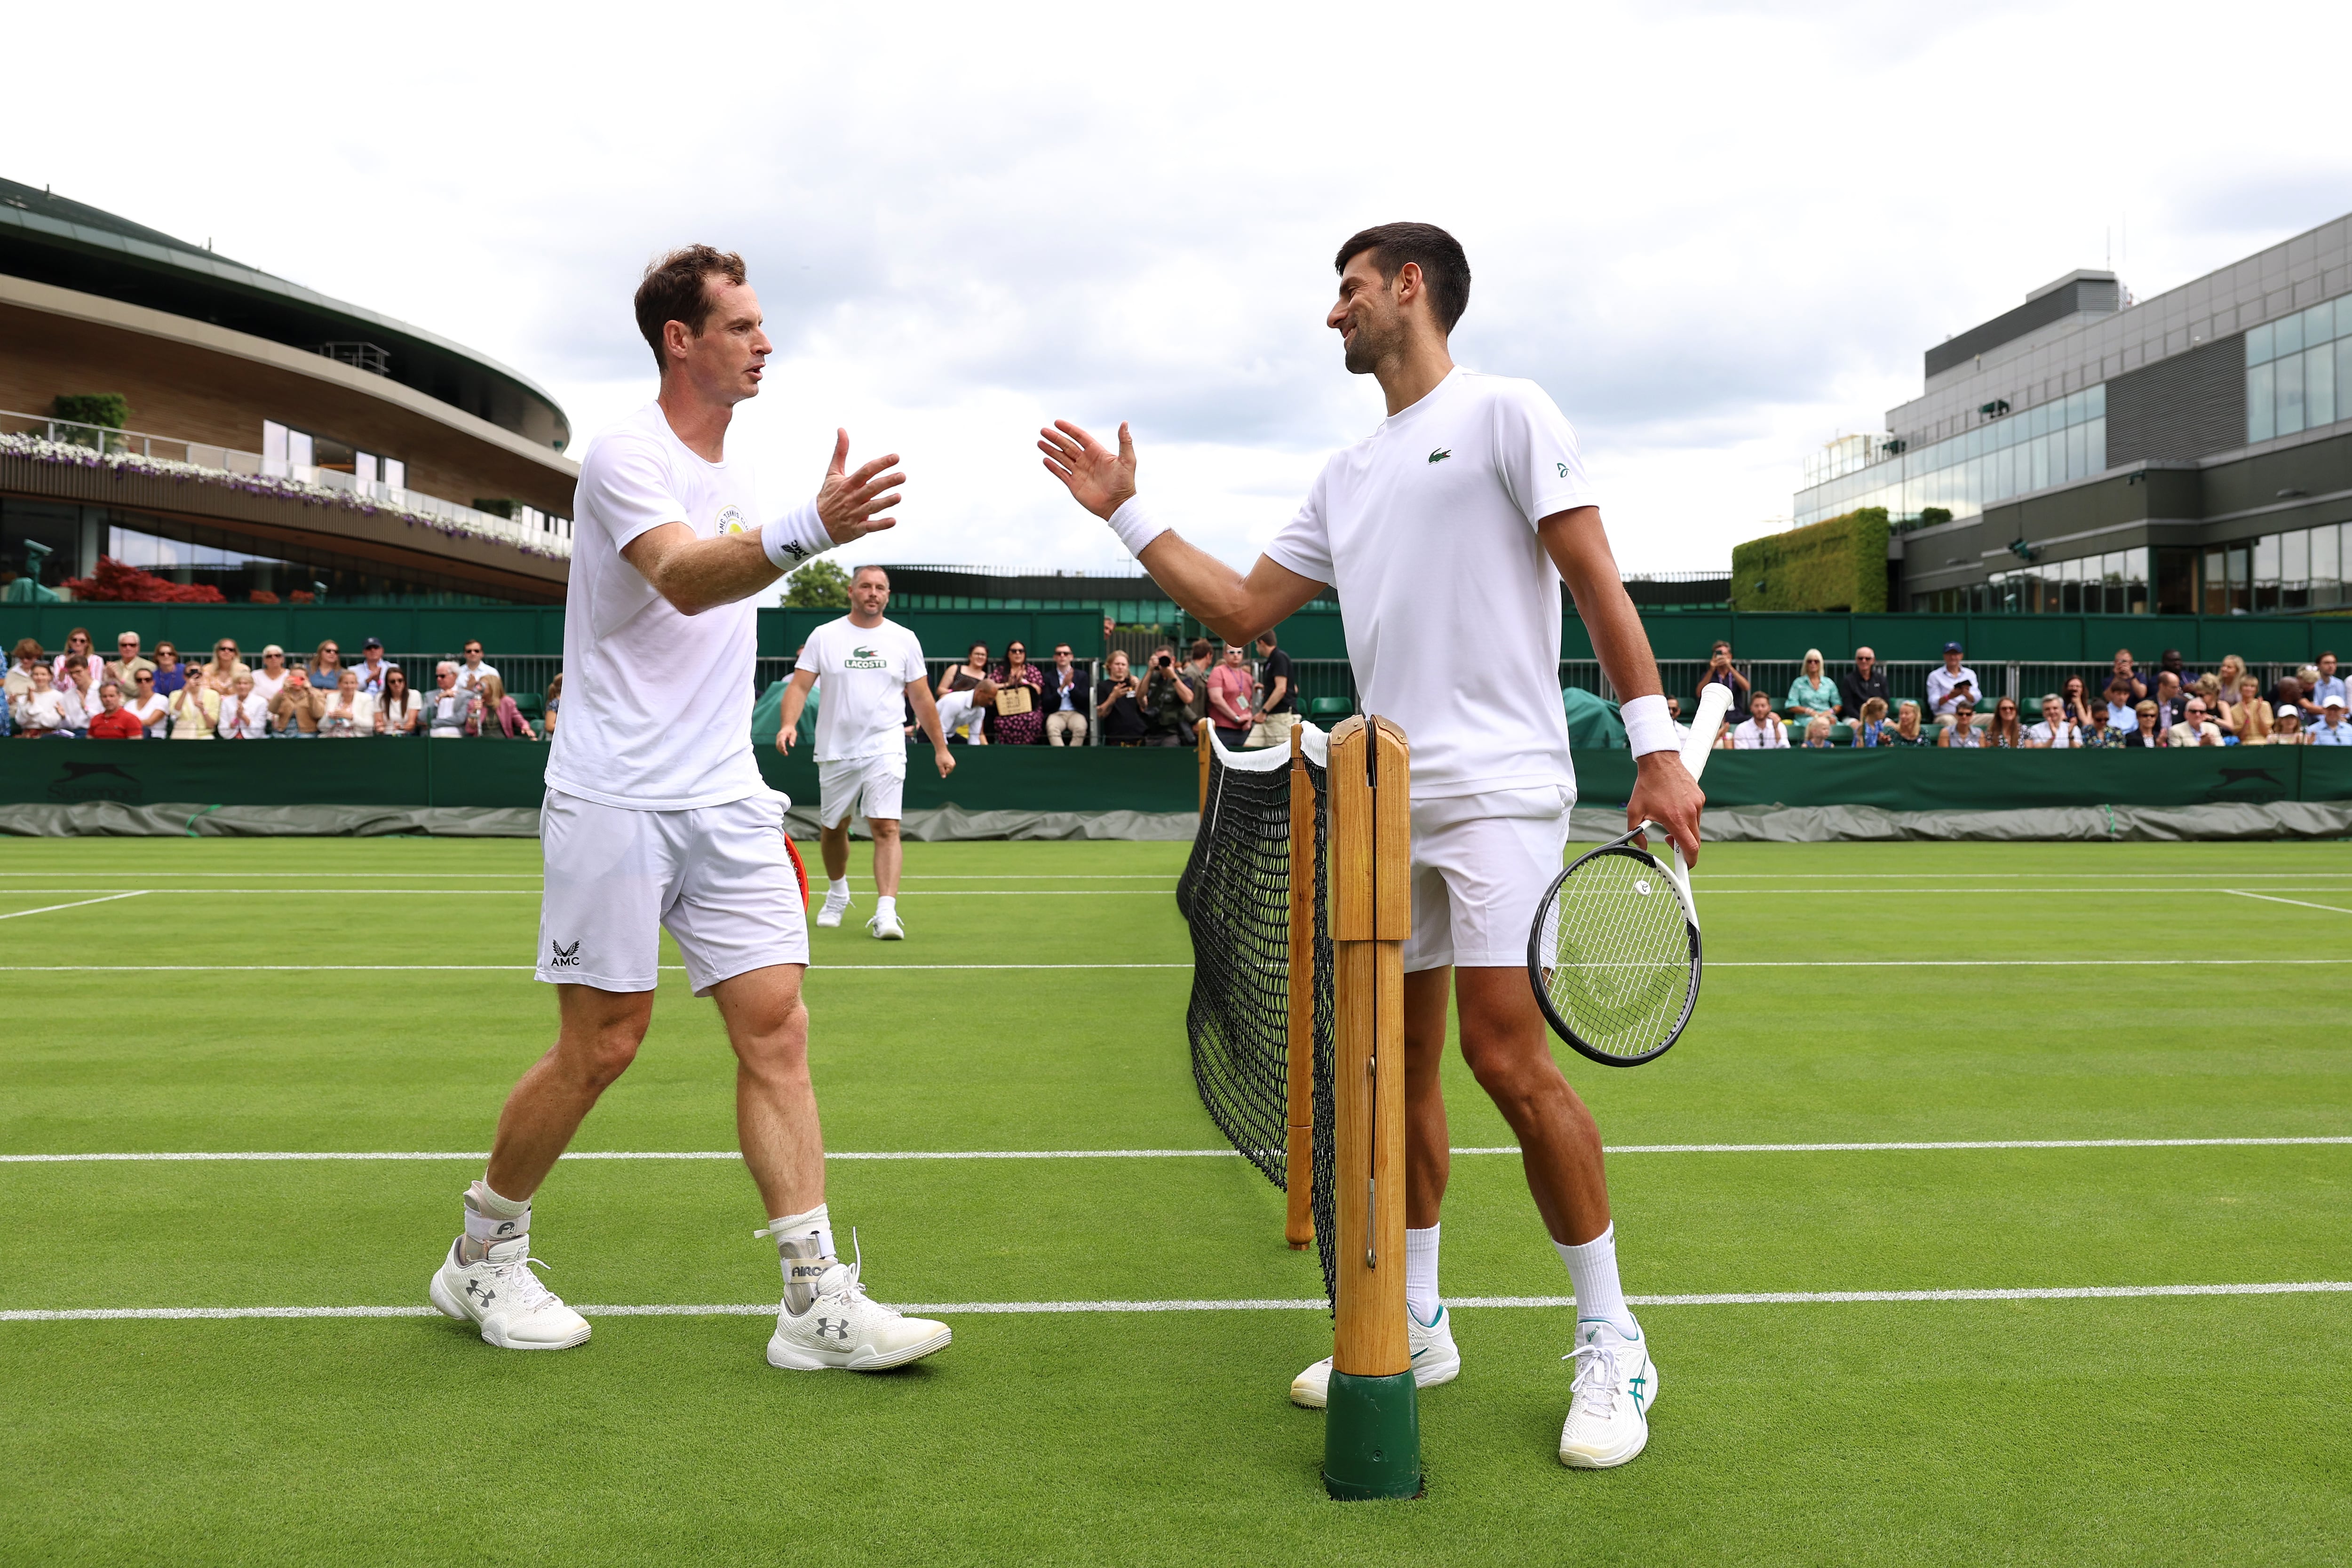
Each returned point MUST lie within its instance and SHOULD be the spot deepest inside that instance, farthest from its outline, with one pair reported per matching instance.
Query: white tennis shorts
(869, 786)
(1480, 866)
(717, 878)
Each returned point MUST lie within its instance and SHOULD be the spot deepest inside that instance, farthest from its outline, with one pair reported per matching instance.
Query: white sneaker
(1435, 1359)
(500, 1293)
(844, 1329)
(885, 927)
(1609, 1404)
(835, 905)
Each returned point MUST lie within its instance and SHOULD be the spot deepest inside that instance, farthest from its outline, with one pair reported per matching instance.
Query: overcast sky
(1718, 235)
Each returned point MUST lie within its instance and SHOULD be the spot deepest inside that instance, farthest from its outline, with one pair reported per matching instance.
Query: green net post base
(1372, 1438)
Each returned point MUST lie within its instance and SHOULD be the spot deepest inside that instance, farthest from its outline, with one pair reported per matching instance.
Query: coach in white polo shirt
(871, 668)
(1452, 527)
(656, 819)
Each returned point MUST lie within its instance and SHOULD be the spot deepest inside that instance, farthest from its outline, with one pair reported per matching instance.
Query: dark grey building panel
(2084, 294)
(2188, 405)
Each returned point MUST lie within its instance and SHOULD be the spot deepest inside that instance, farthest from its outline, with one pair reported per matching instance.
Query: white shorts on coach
(869, 786)
(717, 878)
(1480, 866)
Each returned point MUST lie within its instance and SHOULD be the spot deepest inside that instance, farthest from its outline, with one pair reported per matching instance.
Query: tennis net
(1235, 896)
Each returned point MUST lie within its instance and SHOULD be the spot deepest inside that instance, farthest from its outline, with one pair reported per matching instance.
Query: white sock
(490, 1219)
(886, 904)
(1593, 1275)
(836, 887)
(1420, 1275)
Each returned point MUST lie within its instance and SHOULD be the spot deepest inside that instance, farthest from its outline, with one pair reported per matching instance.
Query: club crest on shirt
(864, 657)
(731, 519)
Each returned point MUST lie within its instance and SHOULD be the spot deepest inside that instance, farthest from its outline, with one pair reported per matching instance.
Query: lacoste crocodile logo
(1439, 455)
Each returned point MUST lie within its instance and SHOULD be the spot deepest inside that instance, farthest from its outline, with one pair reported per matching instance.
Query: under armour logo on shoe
(833, 1329)
(475, 1288)
(563, 957)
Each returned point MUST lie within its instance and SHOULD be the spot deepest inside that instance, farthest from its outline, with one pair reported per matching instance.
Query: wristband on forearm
(795, 539)
(1134, 525)
(1648, 726)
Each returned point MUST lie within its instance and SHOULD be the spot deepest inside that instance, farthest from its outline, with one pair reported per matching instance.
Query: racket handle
(1713, 704)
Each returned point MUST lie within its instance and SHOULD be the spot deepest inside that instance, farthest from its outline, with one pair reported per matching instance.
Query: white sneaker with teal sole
(1609, 1404)
(846, 1331)
(504, 1299)
(829, 913)
(886, 928)
(1435, 1359)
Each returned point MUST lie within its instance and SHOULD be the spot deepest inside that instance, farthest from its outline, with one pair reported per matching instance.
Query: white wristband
(795, 539)
(1648, 726)
(1134, 525)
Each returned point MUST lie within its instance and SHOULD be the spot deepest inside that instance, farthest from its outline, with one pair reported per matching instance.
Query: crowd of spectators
(2166, 706)
(75, 695)
(1249, 703)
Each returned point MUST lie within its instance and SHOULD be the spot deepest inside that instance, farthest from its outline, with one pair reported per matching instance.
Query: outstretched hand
(850, 505)
(1099, 479)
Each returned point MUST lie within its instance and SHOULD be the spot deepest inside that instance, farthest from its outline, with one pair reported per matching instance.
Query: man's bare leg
(834, 842)
(775, 1102)
(890, 855)
(596, 1038)
(1428, 1152)
(1508, 1049)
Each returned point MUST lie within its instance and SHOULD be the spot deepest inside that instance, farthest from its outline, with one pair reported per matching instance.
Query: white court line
(2297, 902)
(52, 908)
(235, 1156)
(1239, 1304)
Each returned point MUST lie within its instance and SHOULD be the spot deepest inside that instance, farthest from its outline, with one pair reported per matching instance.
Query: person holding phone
(1118, 708)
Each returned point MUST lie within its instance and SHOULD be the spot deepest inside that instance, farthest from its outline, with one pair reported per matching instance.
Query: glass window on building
(2053, 443)
(2293, 368)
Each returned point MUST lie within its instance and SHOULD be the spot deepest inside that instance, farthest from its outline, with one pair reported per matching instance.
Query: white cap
(2288, 711)
(2333, 699)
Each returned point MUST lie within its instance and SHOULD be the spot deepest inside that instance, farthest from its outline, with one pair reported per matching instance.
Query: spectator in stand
(1020, 718)
(1167, 696)
(270, 679)
(1762, 729)
(40, 714)
(77, 642)
(1953, 684)
(2005, 732)
(1906, 731)
(2195, 729)
(2057, 731)
(2169, 664)
(2171, 701)
(2286, 729)
(2125, 671)
(1277, 681)
(20, 682)
(2209, 687)
(2148, 725)
(2316, 694)
(452, 712)
(2119, 704)
(113, 721)
(244, 716)
(2332, 730)
(2232, 671)
(1962, 731)
(502, 717)
(2094, 732)
(124, 667)
(1873, 725)
(1859, 684)
(2247, 719)
(2289, 689)
(169, 676)
(1199, 661)
(2075, 698)
(1066, 700)
(350, 713)
(1116, 707)
(196, 709)
(1817, 734)
(1231, 691)
(1811, 695)
(965, 677)
(1720, 672)
(295, 715)
(326, 668)
(154, 711)
(400, 710)
(473, 672)
(555, 700)
(79, 690)
(371, 667)
(222, 672)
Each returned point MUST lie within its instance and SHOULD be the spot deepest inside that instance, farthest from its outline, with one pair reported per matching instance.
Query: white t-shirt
(267, 686)
(660, 701)
(1426, 528)
(471, 675)
(154, 711)
(865, 672)
(1750, 736)
(2062, 736)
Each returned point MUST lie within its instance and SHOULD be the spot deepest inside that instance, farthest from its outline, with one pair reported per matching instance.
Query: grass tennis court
(373, 997)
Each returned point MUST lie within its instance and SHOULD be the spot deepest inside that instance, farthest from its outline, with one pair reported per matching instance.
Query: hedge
(1836, 564)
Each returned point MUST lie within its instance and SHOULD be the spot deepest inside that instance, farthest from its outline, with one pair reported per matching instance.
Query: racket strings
(1615, 952)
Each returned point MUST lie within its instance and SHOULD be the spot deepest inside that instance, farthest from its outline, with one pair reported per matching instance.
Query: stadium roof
(55, 240)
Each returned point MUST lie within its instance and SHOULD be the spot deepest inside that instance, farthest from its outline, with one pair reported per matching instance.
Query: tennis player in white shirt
(1453, 526)
(666, 826)
(871, 667)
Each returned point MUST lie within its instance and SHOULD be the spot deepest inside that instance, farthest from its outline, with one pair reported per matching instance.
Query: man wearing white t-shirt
(470, 673)
(871, 668)
(1761, 730)
(1454, 526)
(655, 819)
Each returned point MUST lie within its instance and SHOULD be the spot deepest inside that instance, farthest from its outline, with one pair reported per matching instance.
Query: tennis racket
(1615, 953)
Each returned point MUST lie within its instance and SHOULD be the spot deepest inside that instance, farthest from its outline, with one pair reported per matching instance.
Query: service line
(52, 908)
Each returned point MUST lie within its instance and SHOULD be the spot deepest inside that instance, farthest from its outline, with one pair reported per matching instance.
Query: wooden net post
(1371, 1434)
(1298, 1157)
(1200, 742)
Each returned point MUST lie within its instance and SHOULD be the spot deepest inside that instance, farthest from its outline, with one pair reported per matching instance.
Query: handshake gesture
(851, 505)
